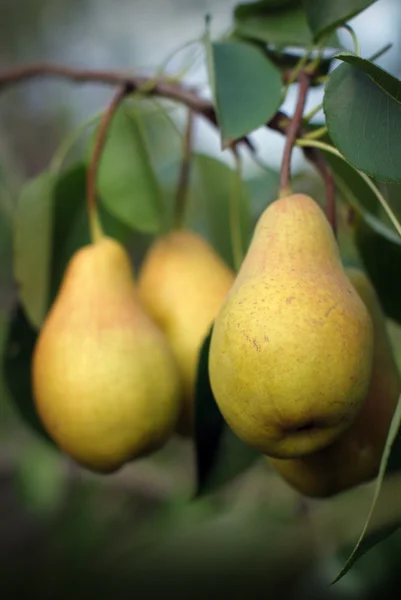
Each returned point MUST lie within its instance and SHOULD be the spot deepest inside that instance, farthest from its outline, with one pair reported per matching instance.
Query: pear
(105, 381)
(355, 457)
(291, 350)
(182, 283)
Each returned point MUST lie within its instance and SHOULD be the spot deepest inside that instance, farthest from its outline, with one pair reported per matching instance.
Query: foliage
(147, 165)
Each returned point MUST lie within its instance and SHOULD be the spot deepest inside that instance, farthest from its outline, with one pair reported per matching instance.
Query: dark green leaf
(288, 60)
(209, 422)
(126, 179)
(352, 187)
(220, 455)
(354, 190)
(212, 185)
(6, 239)
(364, 123)
(263, 190)
(381, 257)
(246, 88)
(370, 541)
(364, 544)
(71, 223)
(20, 343)
(382, 78)
(233, 458)
(283, 59)
(278, 23)
(326, 15)
(394, 461)
(32, 245)
(273, 5)
(40, 477)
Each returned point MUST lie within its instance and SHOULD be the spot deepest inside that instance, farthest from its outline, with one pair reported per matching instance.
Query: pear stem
(94, 221)
(292, 132)
(181, 198)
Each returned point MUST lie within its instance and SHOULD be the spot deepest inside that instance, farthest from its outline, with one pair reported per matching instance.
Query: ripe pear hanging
(355, 457)
(292, 345)
(104, 379)
(182, 284)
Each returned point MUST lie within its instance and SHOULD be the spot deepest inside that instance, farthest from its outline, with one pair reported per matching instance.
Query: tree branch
(174, 91)
(292, 132)
(149, 86)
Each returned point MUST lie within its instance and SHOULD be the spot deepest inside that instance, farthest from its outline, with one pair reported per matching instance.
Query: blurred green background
(65, 533)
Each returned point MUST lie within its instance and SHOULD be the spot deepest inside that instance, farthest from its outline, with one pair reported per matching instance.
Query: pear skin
(104, 378)
(292, 345)
(355, 457)
(182, 284)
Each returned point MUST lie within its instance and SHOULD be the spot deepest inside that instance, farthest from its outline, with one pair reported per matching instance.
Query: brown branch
(97, 152)
(183, 178)
(149, 86)
(168, 90)
(292, 132)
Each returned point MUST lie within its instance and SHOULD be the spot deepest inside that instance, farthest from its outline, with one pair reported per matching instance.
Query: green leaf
(363, 545)
(220, 455)
(19, 345)
(6, 238)
(382, 78)
(283, 59)
(71, 223)
(212, 185)
(364, 122)
(233, 458)
(209, 422)
(381, 257)
(126, 179)
(263, 190)
(40, 478)
(246, 88)
(273, 5)
(51, 224)
(354, 190)
(288, 60)
(278, 23)
(32, 245)
(326, 15)
(352, 187)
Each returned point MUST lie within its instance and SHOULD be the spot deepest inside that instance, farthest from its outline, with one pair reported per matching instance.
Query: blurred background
(65, 533)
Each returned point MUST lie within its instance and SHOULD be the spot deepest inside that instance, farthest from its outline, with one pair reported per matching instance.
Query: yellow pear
(355, 457)
(104, 379)
(291, 349)
(182, 284)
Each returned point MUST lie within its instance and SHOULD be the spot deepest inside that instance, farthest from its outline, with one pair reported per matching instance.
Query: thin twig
(183, 178)
(148, 86)
(292, 132)
(96, 156)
